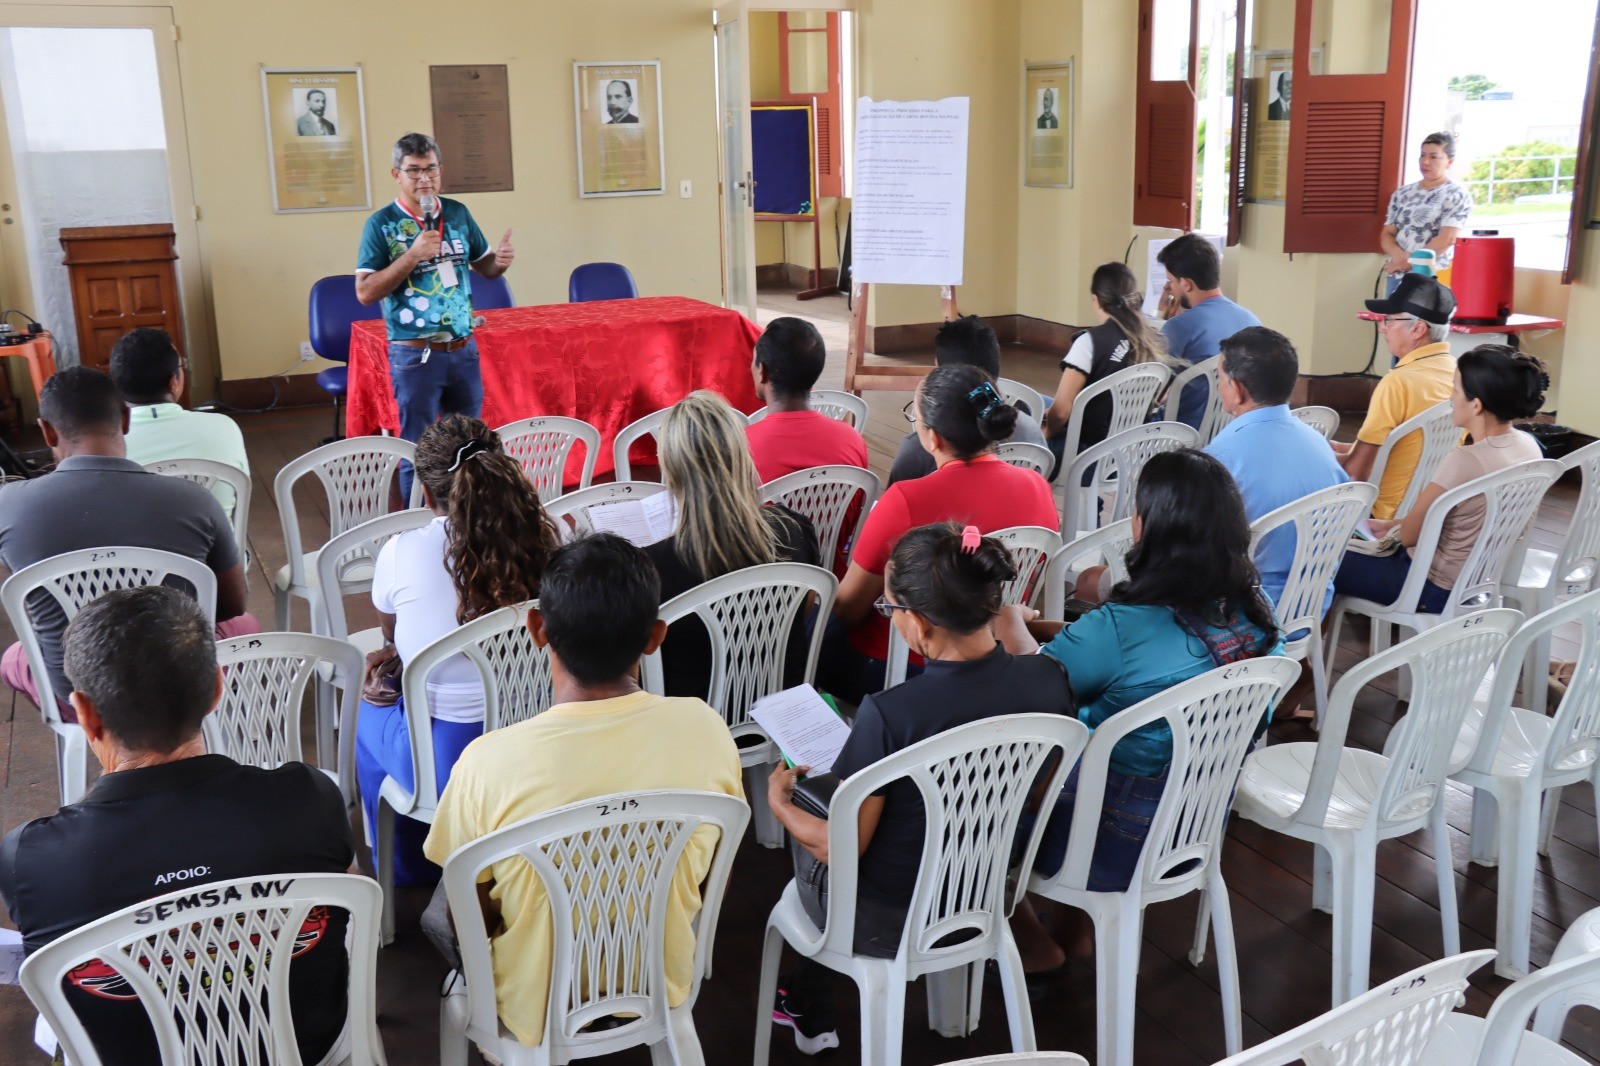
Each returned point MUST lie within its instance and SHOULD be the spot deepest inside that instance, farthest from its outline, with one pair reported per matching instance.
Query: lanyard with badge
(444, 266)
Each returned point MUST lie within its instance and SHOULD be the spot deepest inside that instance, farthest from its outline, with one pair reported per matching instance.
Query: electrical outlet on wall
(307, 353)
(685, 189)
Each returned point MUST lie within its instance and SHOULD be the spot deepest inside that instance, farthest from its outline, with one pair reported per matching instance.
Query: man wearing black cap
(1416, 326)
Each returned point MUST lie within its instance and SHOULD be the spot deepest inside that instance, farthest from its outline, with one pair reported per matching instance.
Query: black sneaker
(814, 1029)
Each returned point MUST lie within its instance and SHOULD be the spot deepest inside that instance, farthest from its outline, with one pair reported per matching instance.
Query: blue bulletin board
(783, 157)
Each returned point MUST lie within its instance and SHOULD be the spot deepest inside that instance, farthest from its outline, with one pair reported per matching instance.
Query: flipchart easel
(889, 377)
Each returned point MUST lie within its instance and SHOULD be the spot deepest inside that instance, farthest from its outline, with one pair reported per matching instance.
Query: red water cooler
(1483, 278)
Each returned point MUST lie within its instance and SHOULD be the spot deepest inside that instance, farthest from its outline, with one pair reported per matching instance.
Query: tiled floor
(1283, 943)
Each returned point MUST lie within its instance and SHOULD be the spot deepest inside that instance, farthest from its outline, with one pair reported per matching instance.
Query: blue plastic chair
(601, 281)
(491, 294)
(333, 306)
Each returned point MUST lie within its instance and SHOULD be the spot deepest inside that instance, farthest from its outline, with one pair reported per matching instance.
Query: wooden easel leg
(817, 288)
(857, 343)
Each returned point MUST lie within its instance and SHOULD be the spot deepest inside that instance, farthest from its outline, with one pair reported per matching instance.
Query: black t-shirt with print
(945, 695)
(1108, 353)
(143, 833)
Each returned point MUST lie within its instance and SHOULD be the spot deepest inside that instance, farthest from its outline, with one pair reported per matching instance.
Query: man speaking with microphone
(415, 254)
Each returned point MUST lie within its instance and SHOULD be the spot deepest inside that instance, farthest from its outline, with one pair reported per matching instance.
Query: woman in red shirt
(959, 418)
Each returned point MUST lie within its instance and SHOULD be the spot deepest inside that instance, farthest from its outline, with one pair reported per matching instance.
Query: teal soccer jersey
(436, 300)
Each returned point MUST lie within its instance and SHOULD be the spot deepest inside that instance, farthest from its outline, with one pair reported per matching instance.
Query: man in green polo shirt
(149, 374)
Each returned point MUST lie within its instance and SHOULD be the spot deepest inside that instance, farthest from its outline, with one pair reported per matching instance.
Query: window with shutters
(1188, 164)
(809, 70)
(1347, 121)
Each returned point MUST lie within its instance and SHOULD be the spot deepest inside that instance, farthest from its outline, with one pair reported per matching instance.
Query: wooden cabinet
(122, 277)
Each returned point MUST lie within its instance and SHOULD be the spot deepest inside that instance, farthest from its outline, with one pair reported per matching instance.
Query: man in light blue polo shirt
(1194, 272)
(1274, 457)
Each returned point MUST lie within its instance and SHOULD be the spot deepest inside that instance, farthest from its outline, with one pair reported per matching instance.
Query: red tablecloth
(607, 362)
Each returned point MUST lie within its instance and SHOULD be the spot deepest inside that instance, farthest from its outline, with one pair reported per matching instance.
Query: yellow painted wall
(929, 49)
(262, 265)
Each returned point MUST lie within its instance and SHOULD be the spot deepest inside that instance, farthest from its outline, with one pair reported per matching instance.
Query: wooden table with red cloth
(607, 362)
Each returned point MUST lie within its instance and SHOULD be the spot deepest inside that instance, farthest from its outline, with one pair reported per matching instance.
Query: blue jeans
(446, 383)
(1379, 578)
(383, 749)
(1130, 805)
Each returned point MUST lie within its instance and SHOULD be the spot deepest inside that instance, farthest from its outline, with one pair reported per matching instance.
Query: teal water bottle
(1422, 262)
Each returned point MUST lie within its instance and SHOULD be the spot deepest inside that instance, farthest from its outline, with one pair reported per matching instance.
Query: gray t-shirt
(92, 501)
(912, 462)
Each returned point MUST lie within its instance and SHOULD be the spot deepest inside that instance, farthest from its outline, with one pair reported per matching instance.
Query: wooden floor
(1283, 944)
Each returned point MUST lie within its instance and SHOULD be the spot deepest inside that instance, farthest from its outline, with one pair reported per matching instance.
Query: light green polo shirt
(161, 431)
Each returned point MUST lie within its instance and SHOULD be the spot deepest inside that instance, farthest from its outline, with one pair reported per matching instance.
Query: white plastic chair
(70, 581)
(356, 473)
(1390, 1025)
(1014, 392)
(264, 679)
(1035, 457)
(208, 473)
(1108, 546)
(1537, 578)
(516, 686)
(1347, 800)
(844, 407)
(1510, 499)
(574, 506)
(749, 615)
(1213, 718)
(1133, 391)
(1215, 417)
(607, 867)
(1322, 523)
(1502, 1038)
(974, 781)
(825, 495)
(544, 443)
(1440, 436)
(648, 426)
(1521, 760)
(193, 963)
(1113, 467)
(1581, 938)
(344, 565)
(1324, 420)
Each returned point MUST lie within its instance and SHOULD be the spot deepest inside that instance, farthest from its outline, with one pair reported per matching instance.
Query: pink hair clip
(970, 539)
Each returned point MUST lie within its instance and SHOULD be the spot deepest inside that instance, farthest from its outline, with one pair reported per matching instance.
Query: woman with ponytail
(1121, 338)
(959, 418)
(486, 549)
(942, 593)
(1494, 386)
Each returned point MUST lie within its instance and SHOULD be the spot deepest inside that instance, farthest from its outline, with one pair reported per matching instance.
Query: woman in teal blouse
(1192, 602)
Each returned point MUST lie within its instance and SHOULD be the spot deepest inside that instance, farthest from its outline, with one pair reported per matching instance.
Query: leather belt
(438, 346)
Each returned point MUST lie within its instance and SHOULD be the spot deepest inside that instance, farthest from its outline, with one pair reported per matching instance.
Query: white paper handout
(1156, 274)
(909, 216)
(640, 522)
(805, 728)
(10, 956)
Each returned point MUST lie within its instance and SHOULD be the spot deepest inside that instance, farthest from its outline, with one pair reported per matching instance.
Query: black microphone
(430, 209)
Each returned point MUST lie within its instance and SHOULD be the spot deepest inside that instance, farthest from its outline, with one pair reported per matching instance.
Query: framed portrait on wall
(1270, 89)
(1047, 125)
(617, 115)
(316, 124)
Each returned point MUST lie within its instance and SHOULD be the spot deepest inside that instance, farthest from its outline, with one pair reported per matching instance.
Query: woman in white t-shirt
(1495, 385)
(486, 550)
(1429, 213)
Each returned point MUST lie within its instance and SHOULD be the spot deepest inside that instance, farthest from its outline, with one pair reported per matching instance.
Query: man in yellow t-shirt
(1416, 327)
(599, 598)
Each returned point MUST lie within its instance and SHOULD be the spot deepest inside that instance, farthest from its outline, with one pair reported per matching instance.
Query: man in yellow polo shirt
(1416, 326)
(599, 598)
